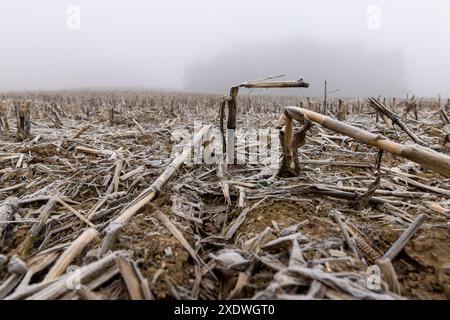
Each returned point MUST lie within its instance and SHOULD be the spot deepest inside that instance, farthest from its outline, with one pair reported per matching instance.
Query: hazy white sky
(149, 43)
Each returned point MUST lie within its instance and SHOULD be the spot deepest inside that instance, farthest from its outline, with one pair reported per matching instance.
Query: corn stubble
(88, 180)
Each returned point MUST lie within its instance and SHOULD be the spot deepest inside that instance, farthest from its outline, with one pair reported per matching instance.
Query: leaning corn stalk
(426, 157)
(378, 106)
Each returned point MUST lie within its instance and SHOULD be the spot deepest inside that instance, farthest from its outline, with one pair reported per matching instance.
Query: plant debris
(95, 203)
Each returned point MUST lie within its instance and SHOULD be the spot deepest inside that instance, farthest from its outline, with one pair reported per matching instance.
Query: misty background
(208, 46)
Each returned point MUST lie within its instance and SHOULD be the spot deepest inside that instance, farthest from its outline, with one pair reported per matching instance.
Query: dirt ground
(247, 264)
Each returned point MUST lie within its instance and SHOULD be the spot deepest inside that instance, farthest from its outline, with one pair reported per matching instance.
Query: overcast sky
(139, 43)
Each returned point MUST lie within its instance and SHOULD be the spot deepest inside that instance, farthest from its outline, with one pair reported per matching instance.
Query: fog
(360, 47)
(350, 69)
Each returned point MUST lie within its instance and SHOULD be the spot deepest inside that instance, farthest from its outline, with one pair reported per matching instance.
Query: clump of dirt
(12, 242)
(158, 251)
(423, 267)
(151, 138)
(146, 140)
(285, 214)
(425, 271)
(44, 151)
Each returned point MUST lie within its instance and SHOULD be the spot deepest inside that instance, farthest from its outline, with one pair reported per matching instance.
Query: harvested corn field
(127, 195)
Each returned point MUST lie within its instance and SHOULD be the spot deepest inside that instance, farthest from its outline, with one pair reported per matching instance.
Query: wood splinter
(291, 140)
